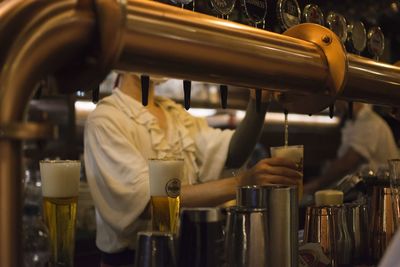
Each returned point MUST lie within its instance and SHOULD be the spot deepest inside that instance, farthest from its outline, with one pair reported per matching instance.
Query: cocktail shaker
(327, 225)
(283, 225)
(201, 238)
(155, 249)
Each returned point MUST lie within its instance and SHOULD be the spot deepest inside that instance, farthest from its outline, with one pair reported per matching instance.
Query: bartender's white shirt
(120, 136)
(370, 136)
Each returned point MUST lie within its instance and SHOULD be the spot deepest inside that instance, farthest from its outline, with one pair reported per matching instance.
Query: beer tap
(331, 110)
(96, 94)
(223, 91)
(350, 107)
(258, 100)
(186, 91)
(145, 82)
(313, 14)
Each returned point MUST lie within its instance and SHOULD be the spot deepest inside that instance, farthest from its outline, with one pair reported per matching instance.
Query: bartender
(367, 140)
(121, 135)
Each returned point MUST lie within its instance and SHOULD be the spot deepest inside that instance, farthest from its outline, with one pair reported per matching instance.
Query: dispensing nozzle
(187, 87)
(145, 81)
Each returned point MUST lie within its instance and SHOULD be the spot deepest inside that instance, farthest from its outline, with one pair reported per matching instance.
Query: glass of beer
(293, 153)
(165, 177)
(60, 189)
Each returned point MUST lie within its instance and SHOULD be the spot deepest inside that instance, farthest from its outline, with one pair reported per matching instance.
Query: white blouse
(120, 136)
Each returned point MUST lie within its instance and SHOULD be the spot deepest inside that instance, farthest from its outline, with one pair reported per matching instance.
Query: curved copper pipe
(161, 39)
(60, 36)
(372, 82)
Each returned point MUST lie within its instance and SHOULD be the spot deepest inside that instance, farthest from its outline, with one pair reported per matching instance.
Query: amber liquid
(165, 213)
(60, 218)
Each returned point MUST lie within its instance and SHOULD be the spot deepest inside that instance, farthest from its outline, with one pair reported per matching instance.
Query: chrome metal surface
(283, 225)
(251, 196)
(155, 249)
(202, 214)
(247, 237)
(372, 82)
(200, 47)
(357, 221)
(327, 225)
(382, 225)
(201, 238)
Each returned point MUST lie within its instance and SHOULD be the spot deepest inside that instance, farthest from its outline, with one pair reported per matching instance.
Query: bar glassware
(294, 153)
(165, 176)
(60, 190)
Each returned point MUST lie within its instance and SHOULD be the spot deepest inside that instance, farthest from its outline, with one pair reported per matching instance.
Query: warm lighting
(202, 112)
(84, 106)
(275, 117)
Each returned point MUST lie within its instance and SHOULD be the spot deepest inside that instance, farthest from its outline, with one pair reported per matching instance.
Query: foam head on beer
(60, 178)
(165, 177)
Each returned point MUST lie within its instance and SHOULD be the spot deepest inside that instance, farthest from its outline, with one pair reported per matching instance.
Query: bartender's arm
(335, 170)
(266, 171)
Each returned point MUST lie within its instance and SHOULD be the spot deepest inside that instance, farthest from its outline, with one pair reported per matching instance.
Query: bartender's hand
(271, 171)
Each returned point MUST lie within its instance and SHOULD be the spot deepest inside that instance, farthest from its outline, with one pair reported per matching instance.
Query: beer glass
(293, 153)
(165, 177)
(60, 189)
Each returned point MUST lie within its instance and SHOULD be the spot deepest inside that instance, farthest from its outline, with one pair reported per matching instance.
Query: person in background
(121, 135)
(367, 140)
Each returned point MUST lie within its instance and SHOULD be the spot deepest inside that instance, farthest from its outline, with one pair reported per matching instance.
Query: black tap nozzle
(223, 90)
(258, 100)
(285, 111)
(331, 110)
(145, 82)
(350, 112)
(96, 94)
(187, 87)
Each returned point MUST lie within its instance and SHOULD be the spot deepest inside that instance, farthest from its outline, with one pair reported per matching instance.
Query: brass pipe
(165, 40)
(53, 39)
(372, 82)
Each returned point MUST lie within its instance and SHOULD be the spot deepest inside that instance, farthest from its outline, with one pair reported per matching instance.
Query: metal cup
(327, 225)
(246, 237)
(251, 196)
(201, 238)
(155, 249)
(357, 221)
(283, 225)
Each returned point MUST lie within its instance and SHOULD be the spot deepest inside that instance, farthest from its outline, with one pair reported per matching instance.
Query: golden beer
(165, 213)
(60, 190)
(165, 177)
(294, 153)
(60, 217)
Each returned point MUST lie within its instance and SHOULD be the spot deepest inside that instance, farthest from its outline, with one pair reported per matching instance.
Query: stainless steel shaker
(246, 229)
(382, 223)
(201, 238)
(327, 225)
(283, 225)
(155, 249)
(357, 221)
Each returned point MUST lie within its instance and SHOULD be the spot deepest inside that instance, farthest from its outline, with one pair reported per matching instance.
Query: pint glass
(293, 153)
(165, 187)
(60, 189)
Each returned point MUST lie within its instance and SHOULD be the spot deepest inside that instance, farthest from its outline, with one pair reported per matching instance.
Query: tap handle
(223, 90)
(350, 110)
(96, 94)
(187, 87)
(145, 81)
(258, 100)
(331, 110)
